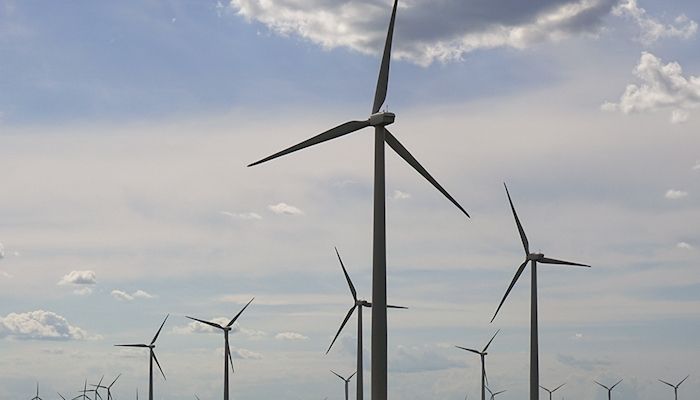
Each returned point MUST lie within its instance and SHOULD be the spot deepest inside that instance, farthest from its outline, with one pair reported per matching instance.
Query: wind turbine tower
(482, 354)
(533, 259)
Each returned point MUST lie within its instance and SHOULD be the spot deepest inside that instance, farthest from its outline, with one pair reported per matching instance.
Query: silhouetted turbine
(552, 391)
(358, 304)
(37, 393)
(482, 354)
(84, 393)
(227, 349)
(675, 387)
(534, 258)
(96, 387)
(107, 388)
(493, 395)
(378, 120)
(609, 389)
(60, 395)
(151, 358)
(347, 381)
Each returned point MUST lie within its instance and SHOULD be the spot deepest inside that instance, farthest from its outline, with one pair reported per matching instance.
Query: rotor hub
(382, 119)
(535, 256)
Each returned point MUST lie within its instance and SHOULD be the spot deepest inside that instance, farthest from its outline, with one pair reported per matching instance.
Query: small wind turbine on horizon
(675, 387)
(358, 304)
(227, 349)
(346, 380)
(37, 393)
(152, 357)
(493, 395)
(107, 388)
(482, 354)
(609, 389)
(378, 120)
(533, 258)
(84, 393)
(552, 391)
(96, 388)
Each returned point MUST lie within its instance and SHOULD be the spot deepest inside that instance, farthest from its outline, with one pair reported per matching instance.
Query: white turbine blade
(333, 133)
(408, 157)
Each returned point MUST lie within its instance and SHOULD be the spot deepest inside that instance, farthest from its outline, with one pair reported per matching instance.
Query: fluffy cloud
(399, 195)
(39, 325)
(285, 209)
(652, 29)
(684, 245)
(249, 216)
(290, 336)
(124, 296)
(672, 194)
(662, 86)
(79, 278)
(427, 30)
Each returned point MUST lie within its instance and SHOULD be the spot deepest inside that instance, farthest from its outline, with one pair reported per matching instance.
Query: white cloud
(249, 216)
(290, 336)
(672, 194)
(245, 354)
(39, 325)
(662, 86)
(79, 278)
(124, 296)
(696, 167)
(652, 29)
(684, 245)
(399, 195)
(2, 251)
(284, 208)
(429, 30)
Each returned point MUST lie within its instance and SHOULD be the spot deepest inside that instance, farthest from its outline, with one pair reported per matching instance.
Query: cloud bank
(39, 325)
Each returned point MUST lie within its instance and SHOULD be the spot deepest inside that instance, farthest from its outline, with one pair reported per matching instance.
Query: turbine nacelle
(363, 303)
(535, 257)
(382, 119)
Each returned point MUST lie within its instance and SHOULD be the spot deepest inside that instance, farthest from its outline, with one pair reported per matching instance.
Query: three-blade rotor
(150, 346)
(675, 386)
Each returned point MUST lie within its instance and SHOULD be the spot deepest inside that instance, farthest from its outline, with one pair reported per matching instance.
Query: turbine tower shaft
(534, 342)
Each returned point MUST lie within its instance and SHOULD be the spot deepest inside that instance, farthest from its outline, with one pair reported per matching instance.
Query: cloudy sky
(125, 128)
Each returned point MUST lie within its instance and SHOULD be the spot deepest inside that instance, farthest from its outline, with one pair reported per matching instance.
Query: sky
(125, 129)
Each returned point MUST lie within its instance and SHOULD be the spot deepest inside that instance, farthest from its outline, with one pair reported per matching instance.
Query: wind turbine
(533, 258)
(552, 391)
(60, 395)
(482, 354)
(84, 393)
(96, 388)
(493, 395)
(675, 387)
(347, 381)
(37, 393)
(358, 304)
(227, 350)
(378, 120)
(152, 357)
(609, 389)
(107, 388)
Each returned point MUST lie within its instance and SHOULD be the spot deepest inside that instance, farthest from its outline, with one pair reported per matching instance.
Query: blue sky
(125, 128)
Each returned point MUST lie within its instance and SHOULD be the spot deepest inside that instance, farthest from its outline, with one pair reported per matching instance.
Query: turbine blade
(671, 385)
(523, 238)
(408, 157)
(558, 387)
(159, 329)
(681, 382)
(215, 325)
(153, 354)
(613, 386)
(546, 260)
(336, 374)
(61, 396)
(515, 279)
(333, 133)
(489, 343)
(345, 321)
(399, 307)
(502, 391)
(131, 345)
(353, 374)
(240, 312)
(606, 388)
(100, 382)
(472, 350)
(347, 277)
(542, 387)
(383, 80)
(114, 381)
(230, 358)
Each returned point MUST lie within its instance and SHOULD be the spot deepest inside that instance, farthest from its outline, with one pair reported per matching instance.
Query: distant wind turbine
(552, 391)
(358, 304)
(378, 120)
(493, 395)
(152, 357)
(96, 388)
(84, 393)
(609, 389)
(533, 258)
(482, 354)
(107, 388)
(37, 393)
(347, 381)
(675, 387)
(227, 349)
(60, 395)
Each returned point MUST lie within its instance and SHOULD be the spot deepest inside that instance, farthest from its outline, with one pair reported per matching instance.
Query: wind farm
(134, 192)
